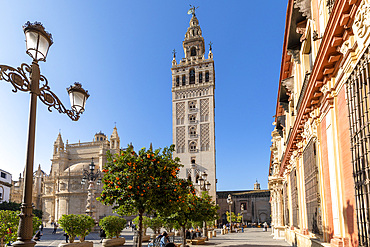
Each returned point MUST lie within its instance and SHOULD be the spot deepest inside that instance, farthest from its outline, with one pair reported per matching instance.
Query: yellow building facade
(319, 167)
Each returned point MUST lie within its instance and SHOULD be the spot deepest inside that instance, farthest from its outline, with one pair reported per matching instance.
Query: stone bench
(145, 238)
(113, 242)
(197, 241)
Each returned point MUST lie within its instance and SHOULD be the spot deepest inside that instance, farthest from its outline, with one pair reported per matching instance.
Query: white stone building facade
(63, 191)
(5, 184)
(193, 86)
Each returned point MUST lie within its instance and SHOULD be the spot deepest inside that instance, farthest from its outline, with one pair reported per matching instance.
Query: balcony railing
(193, 150)
(193, 121)
(193, 109)
(193, 135)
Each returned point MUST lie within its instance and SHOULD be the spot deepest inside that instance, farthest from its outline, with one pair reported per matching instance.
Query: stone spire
(58, 144)
(114, 139)
(257, 185)
(193, 43)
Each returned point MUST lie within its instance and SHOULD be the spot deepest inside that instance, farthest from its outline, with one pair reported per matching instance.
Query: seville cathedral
(61, 192)
(320, 154)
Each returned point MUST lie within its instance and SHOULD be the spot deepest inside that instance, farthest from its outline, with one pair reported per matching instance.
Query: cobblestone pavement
(251, 237)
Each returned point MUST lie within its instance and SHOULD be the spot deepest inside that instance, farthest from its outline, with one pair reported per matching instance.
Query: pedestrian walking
(42, 227)
(265, 225)
(55, 228)
(67, 237)
(102, 235)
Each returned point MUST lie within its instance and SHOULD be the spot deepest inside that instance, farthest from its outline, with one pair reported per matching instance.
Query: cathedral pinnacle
(59, 140)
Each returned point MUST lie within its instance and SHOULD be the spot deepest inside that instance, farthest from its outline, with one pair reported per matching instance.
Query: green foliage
(208, 208)
(234, 218)
(155, 224)
(146, 221)
(112, 225)
(38, 213)
(9, 221)
(36, 223)
(84, 226)
(196, 209)
(13, 206)
(76, 225)
(8, 225)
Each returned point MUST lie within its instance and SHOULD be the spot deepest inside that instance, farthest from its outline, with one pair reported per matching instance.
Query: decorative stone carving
(304, 7)
(63, 186)
(324, 89)
(288, 83)
(345, 47)
(76, 186)
(301, 29)
(295, 55)
(49, 190)
(362, 21)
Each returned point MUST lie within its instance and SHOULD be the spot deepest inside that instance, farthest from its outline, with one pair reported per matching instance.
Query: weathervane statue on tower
(192, 10)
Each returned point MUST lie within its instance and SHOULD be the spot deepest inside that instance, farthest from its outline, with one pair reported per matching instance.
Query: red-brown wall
(349, 209)
(328, 228)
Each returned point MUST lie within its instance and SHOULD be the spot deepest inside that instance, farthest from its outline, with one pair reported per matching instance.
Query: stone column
(279, 228)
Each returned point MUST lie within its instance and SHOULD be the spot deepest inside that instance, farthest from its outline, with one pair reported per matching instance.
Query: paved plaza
(250, 237)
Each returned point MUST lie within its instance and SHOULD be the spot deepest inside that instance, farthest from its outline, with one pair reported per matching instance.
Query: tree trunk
(183, 236)
(140, 231)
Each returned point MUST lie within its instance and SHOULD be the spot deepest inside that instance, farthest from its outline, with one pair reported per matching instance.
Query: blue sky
(121, 51)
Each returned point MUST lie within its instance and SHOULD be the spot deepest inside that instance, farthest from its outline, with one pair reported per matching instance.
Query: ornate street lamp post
(91, 176)
(230, 202)
(204, 185)
(27, 79)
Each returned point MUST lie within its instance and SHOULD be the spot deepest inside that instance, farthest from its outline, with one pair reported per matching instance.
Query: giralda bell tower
(193, 115)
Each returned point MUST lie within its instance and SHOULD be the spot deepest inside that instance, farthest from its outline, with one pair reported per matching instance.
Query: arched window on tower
(193, 131)
(192, 106)
(192, 76)
(197, 179)
(184, 80)
(207, 76)
(177, 81)
(193, 147)
(200, 77)
(193, 51)
(189, 178)
(193, 118)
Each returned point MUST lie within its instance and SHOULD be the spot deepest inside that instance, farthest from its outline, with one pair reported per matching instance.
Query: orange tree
(193, 209)
(209, 209)
(143, 182)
